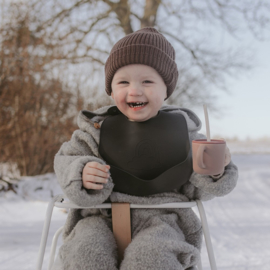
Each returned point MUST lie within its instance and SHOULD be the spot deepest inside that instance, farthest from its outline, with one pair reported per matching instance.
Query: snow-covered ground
(239, 222)
(250, 147)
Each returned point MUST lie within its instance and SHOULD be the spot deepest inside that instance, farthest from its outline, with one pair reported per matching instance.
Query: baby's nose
(135, 91)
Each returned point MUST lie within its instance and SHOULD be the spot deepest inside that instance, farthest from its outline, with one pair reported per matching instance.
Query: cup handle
(199, 156)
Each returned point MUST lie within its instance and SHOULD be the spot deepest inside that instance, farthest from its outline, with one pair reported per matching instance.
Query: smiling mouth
(136, 104)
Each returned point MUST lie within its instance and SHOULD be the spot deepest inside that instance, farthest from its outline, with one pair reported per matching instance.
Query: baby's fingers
(98, 166)
(96, 179)
(94, 182)
(96, 172)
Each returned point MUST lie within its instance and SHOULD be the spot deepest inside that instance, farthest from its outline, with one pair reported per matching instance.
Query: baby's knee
(91, 245)
(167, 255)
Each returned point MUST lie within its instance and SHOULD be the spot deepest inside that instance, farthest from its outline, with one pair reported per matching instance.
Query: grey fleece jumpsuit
(161, 238)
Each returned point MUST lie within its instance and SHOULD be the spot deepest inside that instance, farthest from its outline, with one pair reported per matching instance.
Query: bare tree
(53, 51)
(37, 110)
(84, 31)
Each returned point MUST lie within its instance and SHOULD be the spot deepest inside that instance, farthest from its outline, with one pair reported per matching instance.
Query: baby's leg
(160, 245)
(90, 246)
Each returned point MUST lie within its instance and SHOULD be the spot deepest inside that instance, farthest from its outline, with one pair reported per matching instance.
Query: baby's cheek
(159, 101)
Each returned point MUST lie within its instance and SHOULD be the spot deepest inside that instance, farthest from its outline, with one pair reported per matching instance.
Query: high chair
(121, 226)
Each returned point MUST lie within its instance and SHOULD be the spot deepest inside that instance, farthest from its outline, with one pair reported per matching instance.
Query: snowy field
(239, 223)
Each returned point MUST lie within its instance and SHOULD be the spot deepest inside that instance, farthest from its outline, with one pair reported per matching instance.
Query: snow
(21, 221)
(239, 222)
(259, 146)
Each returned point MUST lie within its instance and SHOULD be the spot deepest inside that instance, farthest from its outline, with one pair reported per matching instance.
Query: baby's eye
(124, 82)
(146, 81)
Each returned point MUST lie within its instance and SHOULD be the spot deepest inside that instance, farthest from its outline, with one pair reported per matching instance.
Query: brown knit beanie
(147, 47)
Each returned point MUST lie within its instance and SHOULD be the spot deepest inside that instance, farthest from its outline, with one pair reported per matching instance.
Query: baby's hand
(95, 175)
(227, 161)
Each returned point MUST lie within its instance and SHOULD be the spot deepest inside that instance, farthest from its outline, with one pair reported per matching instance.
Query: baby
(137, 152)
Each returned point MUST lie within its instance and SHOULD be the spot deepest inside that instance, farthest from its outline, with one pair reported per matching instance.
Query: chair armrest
(67, 204)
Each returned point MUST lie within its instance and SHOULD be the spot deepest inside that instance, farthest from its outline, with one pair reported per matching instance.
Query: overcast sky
(247, 113)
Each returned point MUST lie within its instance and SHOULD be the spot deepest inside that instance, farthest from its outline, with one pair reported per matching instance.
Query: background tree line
(52, 56)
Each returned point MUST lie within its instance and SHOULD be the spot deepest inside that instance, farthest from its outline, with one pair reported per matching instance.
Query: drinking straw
(206, 123)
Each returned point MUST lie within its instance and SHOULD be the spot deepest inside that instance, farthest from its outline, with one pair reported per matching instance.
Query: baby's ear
(112, 95)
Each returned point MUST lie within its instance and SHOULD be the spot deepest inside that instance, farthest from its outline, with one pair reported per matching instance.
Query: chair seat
(60, 201)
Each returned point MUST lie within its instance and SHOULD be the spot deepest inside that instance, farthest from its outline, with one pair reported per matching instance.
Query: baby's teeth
(138, 104)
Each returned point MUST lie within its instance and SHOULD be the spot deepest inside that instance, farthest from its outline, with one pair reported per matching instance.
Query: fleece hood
(97, 117)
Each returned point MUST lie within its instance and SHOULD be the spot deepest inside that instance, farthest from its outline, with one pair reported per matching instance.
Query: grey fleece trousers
(157, 244)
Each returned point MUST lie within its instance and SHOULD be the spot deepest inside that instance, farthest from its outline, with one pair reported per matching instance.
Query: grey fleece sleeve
(68, 165)
(204, 187)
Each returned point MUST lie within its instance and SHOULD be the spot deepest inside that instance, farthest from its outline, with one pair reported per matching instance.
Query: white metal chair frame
(58, 201)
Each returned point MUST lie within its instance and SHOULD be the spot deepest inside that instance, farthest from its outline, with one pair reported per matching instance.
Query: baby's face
(138, 91)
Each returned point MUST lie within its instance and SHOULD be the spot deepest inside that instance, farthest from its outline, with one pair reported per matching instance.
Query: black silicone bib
(146, 157)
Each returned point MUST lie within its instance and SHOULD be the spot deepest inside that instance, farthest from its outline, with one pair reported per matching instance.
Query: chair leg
(200, 264)
(53, 248)
(45, 231)
(207, 236)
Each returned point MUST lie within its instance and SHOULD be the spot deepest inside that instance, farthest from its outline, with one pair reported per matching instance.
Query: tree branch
(122, 11)
(150, 13)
